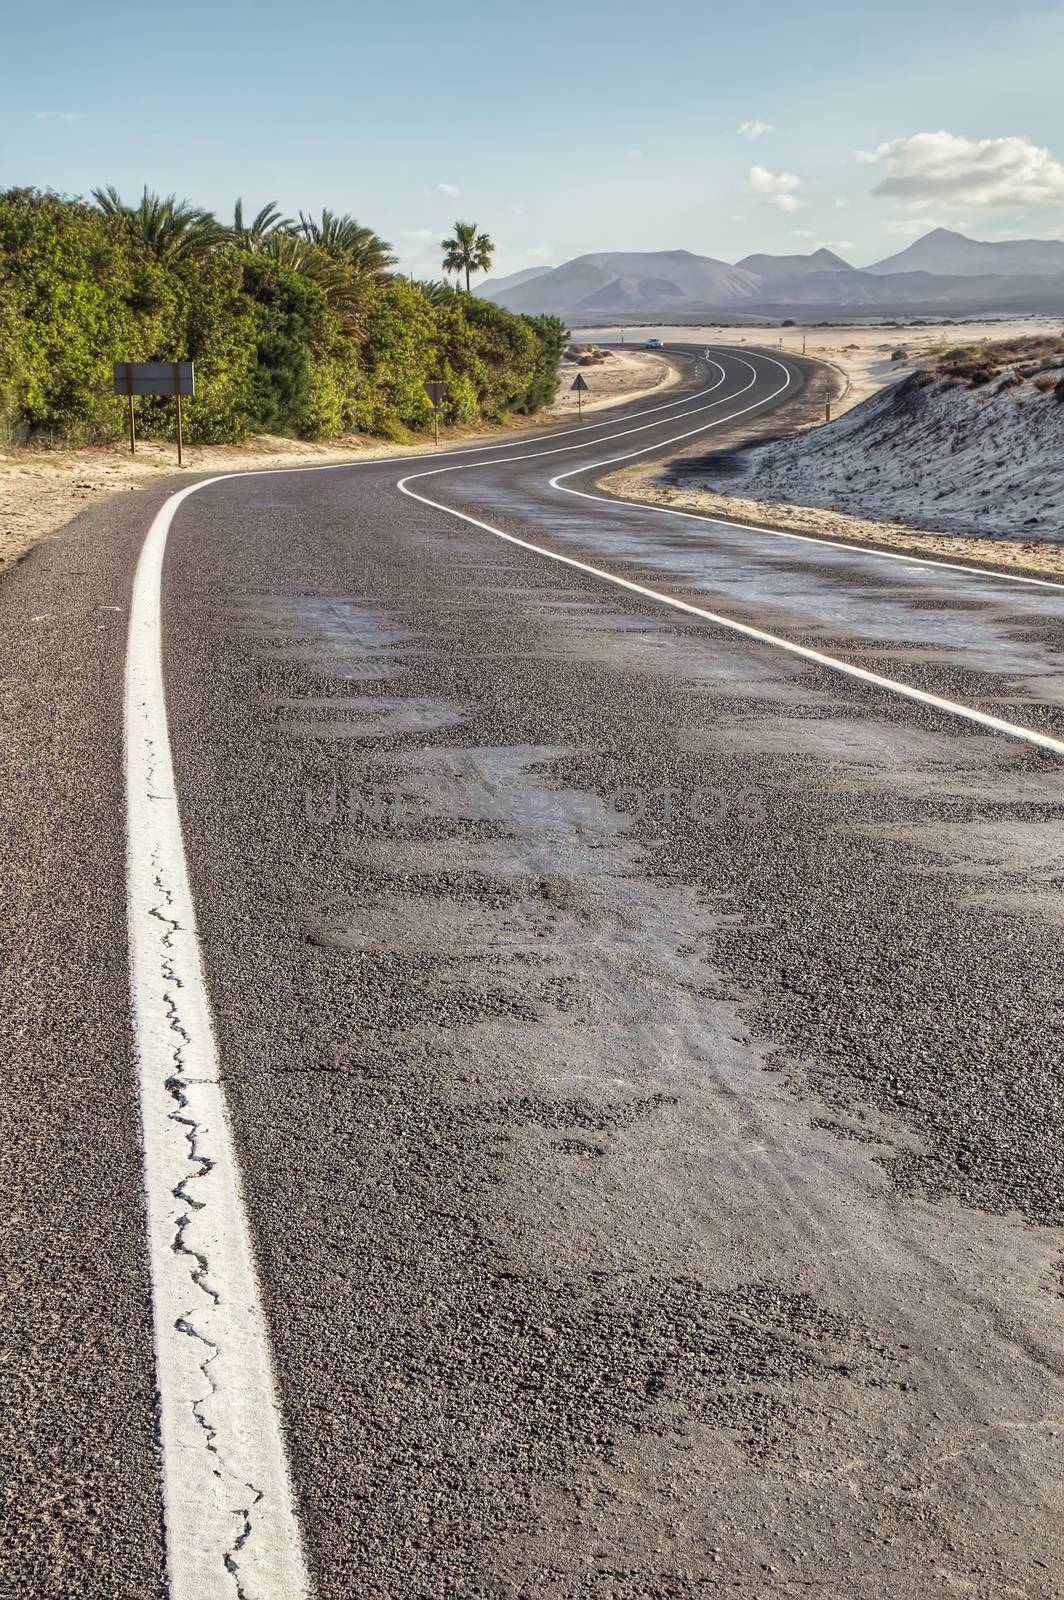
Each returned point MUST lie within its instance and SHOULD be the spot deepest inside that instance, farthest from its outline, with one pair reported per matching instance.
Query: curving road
(586, 1115)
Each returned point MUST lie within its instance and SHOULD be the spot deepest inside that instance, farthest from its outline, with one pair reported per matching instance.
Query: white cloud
(776, 188)
(451, 190)
(634, 155)
(418, 233)
(947, 169)
(755, 128)
(58, 116)
(835, 244)
(842, 204)
(924, 224)
(802, 233)
(541, 252)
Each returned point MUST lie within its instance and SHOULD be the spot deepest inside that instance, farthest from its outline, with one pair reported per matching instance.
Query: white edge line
(228, 1506)
(928, 561)
(922, 563)
(908, 691)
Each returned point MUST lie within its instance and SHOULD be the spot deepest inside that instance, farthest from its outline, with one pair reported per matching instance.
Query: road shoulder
(676, 482)
(81, 1485)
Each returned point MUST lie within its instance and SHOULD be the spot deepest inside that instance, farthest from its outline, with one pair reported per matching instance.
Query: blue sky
(560, 127)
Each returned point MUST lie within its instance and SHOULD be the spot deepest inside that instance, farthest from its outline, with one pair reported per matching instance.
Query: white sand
(983, 461)
(637, 483)
(623, 376)
(861, 352)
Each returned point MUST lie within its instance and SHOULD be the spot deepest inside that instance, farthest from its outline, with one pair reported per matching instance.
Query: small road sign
(437, 393)
(156, 377)
(580, 384)
(174, 378)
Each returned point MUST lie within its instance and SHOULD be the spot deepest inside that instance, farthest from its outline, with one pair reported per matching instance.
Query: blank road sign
(436, 393)
(170, 378)
(579, 382)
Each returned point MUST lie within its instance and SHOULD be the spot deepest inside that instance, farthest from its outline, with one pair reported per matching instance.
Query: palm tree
(469, 251)
(436, 292)
(171, 229)
(345, 288)
(253, 235)
(345, 239)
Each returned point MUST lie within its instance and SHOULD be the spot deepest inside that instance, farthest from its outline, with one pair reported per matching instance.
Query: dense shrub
(280, 345)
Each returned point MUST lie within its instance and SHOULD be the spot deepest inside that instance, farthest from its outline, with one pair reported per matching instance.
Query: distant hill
(491, 288)
(942, 251)
(966, 275)
(771, 269)
(652, 280)
(916, 292)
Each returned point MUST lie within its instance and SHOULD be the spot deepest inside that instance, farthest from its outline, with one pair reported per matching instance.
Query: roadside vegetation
(299, 327)
(1039, 360)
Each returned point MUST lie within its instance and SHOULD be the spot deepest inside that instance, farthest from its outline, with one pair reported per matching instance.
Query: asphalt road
(639, 1033)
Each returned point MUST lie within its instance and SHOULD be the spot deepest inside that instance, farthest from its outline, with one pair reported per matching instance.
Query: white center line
(915, 563)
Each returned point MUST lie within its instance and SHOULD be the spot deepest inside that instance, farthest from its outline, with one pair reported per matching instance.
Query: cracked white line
(231, 1530)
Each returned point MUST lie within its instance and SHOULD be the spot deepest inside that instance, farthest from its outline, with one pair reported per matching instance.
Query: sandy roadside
(42, 490)
(638, 483)
(624, 374)
(862, 353)
(864, 357)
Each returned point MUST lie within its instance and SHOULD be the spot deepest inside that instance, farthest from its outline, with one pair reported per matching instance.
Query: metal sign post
(132, 421)
(436, 393)
(173, 378)
(177, 399)
(580, 384)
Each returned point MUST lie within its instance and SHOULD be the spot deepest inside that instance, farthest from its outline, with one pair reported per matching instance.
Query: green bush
(308, 352)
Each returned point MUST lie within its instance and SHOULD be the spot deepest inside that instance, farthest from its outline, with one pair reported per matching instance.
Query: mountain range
(939, 273)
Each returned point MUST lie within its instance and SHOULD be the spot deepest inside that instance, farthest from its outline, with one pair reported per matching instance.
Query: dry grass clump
(976, 364)
(588, 355)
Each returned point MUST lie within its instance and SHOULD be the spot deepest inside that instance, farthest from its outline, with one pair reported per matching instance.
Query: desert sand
(624, 375)
(41, 490)
(861, 352)
(638, 483)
